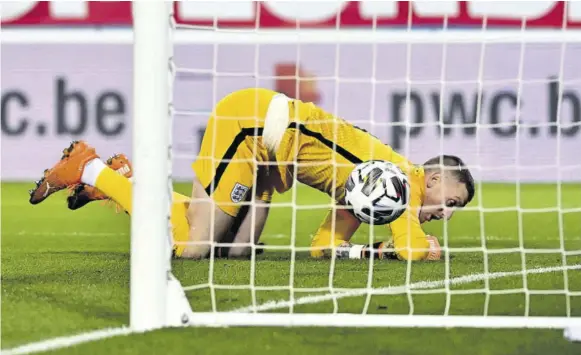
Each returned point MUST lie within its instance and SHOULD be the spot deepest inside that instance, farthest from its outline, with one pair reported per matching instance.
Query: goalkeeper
(258, 141)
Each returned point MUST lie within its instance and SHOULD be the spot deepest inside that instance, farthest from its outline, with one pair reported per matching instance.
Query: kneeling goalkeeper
(258, 141)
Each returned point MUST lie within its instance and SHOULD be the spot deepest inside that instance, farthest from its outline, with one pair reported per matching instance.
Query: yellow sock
(118, 188)
(179, 222)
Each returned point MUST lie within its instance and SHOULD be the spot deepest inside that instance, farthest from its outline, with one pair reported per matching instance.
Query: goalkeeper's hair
(457, 169)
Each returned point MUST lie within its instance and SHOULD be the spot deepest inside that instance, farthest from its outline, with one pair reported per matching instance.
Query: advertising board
(500, 110)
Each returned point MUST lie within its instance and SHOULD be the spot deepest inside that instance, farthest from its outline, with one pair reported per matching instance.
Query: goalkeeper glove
(383, 250)
(379, 250)
(434, 251)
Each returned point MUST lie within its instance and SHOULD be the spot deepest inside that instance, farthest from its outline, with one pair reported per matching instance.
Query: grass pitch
(65, 272)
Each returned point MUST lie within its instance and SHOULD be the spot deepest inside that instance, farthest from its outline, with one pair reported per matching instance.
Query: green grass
(66, 272)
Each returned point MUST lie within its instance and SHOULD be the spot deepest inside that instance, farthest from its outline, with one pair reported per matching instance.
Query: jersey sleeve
(264, 185)
(409, 239)
(328, 237)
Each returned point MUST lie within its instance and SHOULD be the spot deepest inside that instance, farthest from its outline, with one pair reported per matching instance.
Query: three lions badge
(238, 192)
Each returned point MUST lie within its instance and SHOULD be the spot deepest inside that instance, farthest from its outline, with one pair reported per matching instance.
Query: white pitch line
(513, 238)
(474, 238)
(275, 236)
(272, 305)
(283, 236)
(66, 341)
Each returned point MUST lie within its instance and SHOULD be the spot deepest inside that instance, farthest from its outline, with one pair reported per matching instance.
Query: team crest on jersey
(238, 192)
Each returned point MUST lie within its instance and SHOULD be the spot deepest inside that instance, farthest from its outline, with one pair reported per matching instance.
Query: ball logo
(400, 189)
(371, 181)
(350, 184)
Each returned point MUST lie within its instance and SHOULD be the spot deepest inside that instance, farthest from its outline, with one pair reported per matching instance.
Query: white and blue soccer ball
(378, 192)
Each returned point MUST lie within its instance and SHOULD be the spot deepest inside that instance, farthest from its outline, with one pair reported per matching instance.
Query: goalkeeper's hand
(379, 250)
(434, 250)
(383, 250)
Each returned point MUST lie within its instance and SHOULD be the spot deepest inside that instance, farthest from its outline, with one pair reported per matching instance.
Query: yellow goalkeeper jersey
(320, 150)
(327, 148)
(296, 140)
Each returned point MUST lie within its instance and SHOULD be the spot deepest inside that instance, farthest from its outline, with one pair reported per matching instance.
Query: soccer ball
(377, 191)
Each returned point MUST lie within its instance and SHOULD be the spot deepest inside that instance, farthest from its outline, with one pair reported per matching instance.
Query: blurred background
(497, 83)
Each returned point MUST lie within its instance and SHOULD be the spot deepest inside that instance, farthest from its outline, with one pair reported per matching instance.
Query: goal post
(234, 59)
(151, 201)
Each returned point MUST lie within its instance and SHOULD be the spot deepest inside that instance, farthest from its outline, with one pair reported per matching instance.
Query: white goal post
(150, 251)
(154, 66)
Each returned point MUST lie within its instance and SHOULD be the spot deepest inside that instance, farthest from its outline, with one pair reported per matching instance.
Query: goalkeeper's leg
(224, 218)
(189, 230)
(195, 224)
(246, 229)
(252, 221)
(192, 225)
(83, 194)
(187, 227)
(80, 164)
(118, 188)
(109, 186)
(207, 223)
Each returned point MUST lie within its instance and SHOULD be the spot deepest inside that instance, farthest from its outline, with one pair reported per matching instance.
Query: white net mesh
(505, 101)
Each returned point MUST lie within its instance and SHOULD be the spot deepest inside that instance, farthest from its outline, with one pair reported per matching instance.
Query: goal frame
(152, 198)
(151, 167)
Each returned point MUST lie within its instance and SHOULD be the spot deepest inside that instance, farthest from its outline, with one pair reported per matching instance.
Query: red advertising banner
(311, 14)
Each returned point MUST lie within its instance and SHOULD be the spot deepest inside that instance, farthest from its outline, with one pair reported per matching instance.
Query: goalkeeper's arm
(409, 242)
(339, 226)
(387, 250)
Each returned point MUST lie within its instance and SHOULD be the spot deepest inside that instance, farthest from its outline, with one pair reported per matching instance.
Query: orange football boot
(67, 172)
(82, 194)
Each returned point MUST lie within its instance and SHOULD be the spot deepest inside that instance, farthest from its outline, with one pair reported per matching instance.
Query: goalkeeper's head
(449, 185)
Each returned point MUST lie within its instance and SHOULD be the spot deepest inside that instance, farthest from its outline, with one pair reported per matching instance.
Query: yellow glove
(435, 251)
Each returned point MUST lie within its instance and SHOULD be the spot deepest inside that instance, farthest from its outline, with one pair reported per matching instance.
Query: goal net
(506, 101)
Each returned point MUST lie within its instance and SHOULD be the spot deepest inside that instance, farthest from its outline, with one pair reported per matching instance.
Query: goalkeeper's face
(443, 194)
